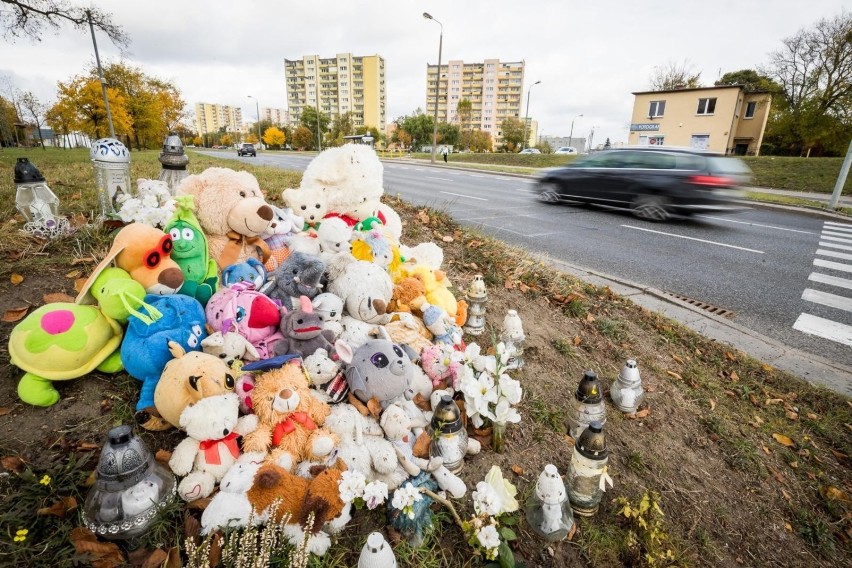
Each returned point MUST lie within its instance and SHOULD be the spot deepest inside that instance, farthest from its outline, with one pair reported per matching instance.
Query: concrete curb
(812, 368)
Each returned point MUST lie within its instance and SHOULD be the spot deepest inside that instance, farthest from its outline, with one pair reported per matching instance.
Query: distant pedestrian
(445, 151)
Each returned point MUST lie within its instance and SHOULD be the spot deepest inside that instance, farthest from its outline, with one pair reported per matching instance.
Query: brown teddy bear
(188, 378)
(299, 497)
(405, 294)
(233, 213)
(289, 418)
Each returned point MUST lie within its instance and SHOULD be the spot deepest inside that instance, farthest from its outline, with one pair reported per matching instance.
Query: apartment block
(725, 119)
(493, 87)
(275, 115)
(340, 84)
(213, 117)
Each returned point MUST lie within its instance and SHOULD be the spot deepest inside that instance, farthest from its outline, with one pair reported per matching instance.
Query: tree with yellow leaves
(84, 94)
(274, 138)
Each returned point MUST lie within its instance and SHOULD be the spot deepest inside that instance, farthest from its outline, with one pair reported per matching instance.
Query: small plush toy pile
(294, 346)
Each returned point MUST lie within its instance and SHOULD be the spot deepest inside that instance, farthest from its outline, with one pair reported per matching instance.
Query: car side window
(688, 162)
(602, 160)
(660, 161)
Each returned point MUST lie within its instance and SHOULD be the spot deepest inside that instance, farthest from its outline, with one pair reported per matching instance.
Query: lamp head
(537, 82)
(427, 15)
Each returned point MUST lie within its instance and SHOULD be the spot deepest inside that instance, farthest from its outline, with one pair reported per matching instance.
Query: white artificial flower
(505, 412)
(510, 388)
(504, 490)
(485, 500)
(488, 537)
(503, 354)
(150, 202)
(404, 499)
(479, 394)
(351, 485)
(375, 493)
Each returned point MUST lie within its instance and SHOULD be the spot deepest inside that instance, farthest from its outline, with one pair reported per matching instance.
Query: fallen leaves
(59, 509)
(57, 297)
(447, 239)
(517, 470)
(712, 404)
(678, 359)
(639, 414)
(734, 377)
(577, 341)
(4, 410)
(15, 314)
(832, 493)
(675, 375)
(74, 274)
(100, 554)
(13, 464)
(730, 356)
(78, 284)
(16, 279)
(784, 440)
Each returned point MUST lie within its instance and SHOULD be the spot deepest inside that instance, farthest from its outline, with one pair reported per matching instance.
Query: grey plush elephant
(299, 275)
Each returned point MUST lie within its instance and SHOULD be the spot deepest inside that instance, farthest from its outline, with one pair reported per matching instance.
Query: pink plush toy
(440, 363)
(256, 316)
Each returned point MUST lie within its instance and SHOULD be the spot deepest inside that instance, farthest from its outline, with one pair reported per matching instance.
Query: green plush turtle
(200, 273)
(62, 341)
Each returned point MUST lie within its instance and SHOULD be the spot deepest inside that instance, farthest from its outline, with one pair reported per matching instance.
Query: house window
(656, 108)
(700, 141)
(750, 106)
(706, 106)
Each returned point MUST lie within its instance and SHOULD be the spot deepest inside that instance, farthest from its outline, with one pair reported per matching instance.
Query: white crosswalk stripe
(835, 237)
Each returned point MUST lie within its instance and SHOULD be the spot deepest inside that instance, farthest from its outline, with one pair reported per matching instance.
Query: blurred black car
(654, 183)
(246, 149)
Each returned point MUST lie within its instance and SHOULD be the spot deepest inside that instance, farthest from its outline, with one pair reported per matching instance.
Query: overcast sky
(589, 56)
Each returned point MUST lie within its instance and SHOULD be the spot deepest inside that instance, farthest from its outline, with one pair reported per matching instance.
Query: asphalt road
(783, 274)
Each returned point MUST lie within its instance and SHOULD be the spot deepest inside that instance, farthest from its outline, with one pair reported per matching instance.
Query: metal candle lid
(592, 442)
(25, 172)
(630, 373)
(124, 460)
(173, 156)
(109, 150)
(447, 417)
(588, 391)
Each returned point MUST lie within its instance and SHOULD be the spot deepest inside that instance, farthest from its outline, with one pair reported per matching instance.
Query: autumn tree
(62, 118)
(28, 18)
(274, 138)
(418, 126)
(448, 134)
(35, 109)
(464, 114)
(513, 131)
(8, 123)
(84, 93)
(315, 122)
(303, 138)
(673, 76)
(480, 141)
(341, 126)
(197, 141)
(226, 140)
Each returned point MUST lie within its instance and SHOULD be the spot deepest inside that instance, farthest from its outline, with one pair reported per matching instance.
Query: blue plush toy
(249, 271)
(145, 349)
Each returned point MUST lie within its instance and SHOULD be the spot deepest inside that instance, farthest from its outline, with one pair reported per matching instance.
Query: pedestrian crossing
(835, 246)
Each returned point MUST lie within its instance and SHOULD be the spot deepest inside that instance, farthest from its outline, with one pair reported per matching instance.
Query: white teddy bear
(311, 204)
(229, 347)
(366, 290)
(429, 254)
(363, 447)
(347, 174)
(334, 236)
(327, 378)
(329, 308)
(230, 507)
(397, 427)
(212, 425)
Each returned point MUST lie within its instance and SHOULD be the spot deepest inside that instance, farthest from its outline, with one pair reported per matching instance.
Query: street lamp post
(571, 135)
(437, 87)
(101, 75)
(257, 107)
(527, 117)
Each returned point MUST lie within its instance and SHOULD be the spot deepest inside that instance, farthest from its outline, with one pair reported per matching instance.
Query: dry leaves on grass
(784, 440)
(832, 493)
(16, 279)
(74, 274)
(4, 410)
(675, 375)
(59, 509)
(57, 297)
(518, 470)
(13, 463)
(100, 554)
(15, 314)
(639, 414)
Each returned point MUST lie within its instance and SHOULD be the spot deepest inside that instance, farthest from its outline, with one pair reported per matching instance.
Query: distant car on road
(530, 151)
(566, 150)
(246, 149)
(654, 183)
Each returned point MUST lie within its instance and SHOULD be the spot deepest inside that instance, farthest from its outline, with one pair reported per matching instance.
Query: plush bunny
(212, 425)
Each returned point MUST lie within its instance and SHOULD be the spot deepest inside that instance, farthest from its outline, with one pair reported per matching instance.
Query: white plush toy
(347, 173)
(334, 236)
(363, 447)
(229, 347)
(428, 253)
(230, 507)
(284, 224)
(397, 427)
(309, 203)
(329, 308)
(390, 220)
(356, 332)
(327, 378)
(212, 425)
(366, 290)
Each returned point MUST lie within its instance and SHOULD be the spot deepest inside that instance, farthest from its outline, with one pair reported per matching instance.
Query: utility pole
(841, 179)
(101, 76)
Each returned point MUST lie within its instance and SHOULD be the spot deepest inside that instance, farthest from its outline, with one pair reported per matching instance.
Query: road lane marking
(838, 226)
(437, 178)
(836, 239)
(827, 329)
(463, 195)
(476, 175)
(826, 299)
(834, 254)
(834, 234)
(504, 229)
(694, 239)
(756, 224)
(833, 265)
(834, 245)
(831, 280)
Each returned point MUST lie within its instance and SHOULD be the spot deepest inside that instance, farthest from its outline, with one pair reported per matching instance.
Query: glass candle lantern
(111, 160)
(449, 438)
(548, 510)
(627, 392)
(476, 296)
(33, 198)
(587, 405)
(377, 553)
(512, 336)
(130, 490)
(587, 476)
(174, 161)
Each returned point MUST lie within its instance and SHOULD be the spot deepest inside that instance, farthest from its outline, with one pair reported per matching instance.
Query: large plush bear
(233, 213)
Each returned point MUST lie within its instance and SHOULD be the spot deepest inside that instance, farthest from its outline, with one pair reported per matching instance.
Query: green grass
(795, 201)
(505, 159)
(816, 175)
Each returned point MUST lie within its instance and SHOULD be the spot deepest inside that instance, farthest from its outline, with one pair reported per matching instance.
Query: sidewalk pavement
(810, 367)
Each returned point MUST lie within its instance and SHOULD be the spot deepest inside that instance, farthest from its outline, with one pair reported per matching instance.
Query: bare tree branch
(28, 18)
(674, 75)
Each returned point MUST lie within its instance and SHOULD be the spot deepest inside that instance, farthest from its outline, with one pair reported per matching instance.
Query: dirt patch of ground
(731, 493)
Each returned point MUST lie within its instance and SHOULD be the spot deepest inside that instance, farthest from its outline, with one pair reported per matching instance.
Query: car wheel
(651, 208)
(549, 193)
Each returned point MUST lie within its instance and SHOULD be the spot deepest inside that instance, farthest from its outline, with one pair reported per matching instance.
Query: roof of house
(696, 89)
